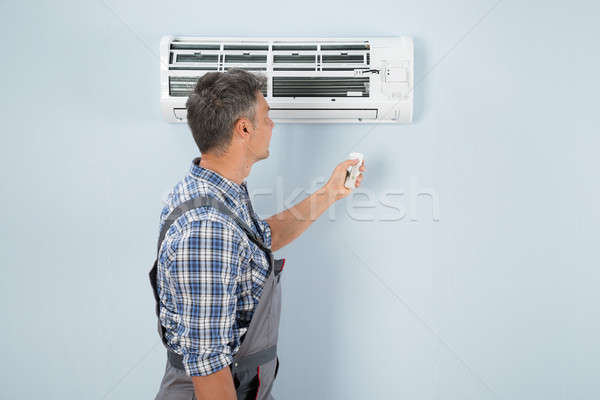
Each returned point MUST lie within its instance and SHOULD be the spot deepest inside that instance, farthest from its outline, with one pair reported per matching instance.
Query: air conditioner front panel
(308, 79)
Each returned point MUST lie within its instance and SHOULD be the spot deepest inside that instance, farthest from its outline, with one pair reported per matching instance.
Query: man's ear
(240, 127)
(244, 125)
(247, 126)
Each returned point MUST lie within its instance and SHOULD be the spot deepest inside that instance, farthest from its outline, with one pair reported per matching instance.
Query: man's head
(228, 109)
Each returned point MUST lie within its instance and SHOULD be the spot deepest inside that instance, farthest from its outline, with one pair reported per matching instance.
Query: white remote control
(353, 171)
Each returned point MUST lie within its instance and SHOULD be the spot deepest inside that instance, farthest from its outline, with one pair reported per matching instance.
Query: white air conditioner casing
(363, 80)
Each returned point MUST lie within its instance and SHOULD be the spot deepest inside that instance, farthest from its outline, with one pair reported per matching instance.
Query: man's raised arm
(289, 224)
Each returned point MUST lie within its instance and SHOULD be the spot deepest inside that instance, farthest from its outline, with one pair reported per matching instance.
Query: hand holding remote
(336, 185)
(354, 170)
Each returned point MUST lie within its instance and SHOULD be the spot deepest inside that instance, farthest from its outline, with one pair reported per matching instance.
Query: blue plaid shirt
(210, 275)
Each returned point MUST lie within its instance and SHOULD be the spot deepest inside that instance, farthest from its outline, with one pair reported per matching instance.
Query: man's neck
(229, 167)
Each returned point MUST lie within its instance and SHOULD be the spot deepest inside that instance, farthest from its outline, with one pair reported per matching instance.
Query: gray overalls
(255, 365)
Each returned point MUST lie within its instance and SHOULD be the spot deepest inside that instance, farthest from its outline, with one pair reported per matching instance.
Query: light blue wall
(497, 300)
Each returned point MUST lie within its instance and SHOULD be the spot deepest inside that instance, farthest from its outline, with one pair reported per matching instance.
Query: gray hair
(218, 101)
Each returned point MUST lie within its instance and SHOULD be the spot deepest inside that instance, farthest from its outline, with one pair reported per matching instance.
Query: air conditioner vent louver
(293, 69)
(247, 69)
(182, 86)
(194, 46)
(344, 58)
(320, 87)
(194, 68)
(245, 58)
(343, 47)
(197, 57)
(294, 47)
(294, 59)
(246, 47)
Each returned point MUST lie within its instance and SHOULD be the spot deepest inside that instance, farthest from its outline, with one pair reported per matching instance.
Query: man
(215, 280)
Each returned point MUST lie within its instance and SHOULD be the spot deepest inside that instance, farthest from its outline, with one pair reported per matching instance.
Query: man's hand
(335, 186)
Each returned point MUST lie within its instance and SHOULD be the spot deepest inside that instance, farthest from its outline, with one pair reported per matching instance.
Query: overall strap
(203, 201)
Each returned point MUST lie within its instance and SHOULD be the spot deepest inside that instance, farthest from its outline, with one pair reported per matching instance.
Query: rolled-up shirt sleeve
(266, 228)
(204, 275)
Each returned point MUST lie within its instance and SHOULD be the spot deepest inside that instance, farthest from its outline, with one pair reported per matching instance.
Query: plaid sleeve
(204, 274)
(266, 232)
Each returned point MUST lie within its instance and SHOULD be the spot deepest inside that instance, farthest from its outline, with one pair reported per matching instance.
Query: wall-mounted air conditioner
(367, 79)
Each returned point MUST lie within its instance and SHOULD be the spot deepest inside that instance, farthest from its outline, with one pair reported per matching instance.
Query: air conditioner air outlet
(284, 86)
(182, 86)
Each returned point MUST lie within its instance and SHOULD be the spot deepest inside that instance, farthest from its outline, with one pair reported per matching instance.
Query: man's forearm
(289, 224)
(217, 386)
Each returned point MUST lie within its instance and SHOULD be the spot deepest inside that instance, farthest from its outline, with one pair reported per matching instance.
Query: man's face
(261, 138)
